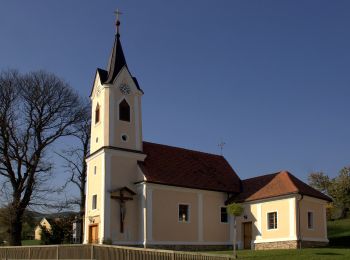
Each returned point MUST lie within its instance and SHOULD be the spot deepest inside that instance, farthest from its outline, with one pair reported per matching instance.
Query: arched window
(97, 114)
(124, 111)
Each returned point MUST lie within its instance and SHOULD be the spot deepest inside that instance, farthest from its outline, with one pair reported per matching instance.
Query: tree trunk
(16, 228)
(234, 237)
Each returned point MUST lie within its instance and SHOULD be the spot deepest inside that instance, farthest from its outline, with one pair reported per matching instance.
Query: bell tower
(116, 104)
(115, 151)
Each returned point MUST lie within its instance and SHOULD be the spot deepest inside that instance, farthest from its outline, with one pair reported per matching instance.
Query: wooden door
(93, 234)
(247, 234)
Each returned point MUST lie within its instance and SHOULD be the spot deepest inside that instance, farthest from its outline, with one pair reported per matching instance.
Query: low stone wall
(277, 245)
(292, 244)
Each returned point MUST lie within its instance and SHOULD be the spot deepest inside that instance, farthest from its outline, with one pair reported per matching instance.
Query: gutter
(298, 209)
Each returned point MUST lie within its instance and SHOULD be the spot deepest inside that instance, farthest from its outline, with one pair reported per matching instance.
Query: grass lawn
(339, 233)
(30, 242)
(311, 253)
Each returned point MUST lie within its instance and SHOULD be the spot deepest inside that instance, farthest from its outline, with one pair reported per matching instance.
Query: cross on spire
(117, 21)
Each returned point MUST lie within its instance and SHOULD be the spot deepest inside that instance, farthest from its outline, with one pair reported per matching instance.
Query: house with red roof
(153, 195)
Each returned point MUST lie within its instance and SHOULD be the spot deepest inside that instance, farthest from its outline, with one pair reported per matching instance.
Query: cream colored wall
(214, 230)
(320, 225)
(250, 211)
(204, 226)
(99, 131)
(256, 212)
(124, 174)
(166, 225)
(94, 185)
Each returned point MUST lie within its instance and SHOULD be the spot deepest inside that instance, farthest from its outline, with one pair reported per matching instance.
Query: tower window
(124, 111)
(94, 201)
(97, 114)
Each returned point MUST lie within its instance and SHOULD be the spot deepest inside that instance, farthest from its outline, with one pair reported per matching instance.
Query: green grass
(310, 253)
(30, 242)
(339, 233)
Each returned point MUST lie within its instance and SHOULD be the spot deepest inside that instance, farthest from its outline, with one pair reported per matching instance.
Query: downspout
(298, 209)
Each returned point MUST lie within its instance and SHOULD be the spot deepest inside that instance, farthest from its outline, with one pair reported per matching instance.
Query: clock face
(124, 89)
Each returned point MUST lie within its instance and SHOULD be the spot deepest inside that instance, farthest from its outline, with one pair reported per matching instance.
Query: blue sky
(270, 78)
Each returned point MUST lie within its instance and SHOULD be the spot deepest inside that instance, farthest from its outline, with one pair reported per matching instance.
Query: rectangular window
(310, 220)
(94, 201)
(224, 217)
(95, 170)
(184, 213)
(272, 220)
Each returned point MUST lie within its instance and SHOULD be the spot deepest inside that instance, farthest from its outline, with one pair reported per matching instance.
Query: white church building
(153, 195)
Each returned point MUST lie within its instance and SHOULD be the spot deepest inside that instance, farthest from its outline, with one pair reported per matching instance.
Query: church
(152, 195)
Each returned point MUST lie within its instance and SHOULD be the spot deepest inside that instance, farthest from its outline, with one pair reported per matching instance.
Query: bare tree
(36, 110)
(75, 163)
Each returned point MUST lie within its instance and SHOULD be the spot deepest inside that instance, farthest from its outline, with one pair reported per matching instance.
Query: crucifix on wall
(122, 196)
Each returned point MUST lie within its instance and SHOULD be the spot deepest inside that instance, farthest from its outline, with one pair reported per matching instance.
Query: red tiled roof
(273, 185)
(186, 168)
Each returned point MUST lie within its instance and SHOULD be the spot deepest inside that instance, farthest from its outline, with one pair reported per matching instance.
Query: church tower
(115, 149)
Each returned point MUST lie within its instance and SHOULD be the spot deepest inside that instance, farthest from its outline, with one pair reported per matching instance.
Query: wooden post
(57, 256)
(29, 256)
(92, 252)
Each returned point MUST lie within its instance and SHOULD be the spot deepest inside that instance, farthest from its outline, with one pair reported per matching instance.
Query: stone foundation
(277, 245)
(292, 244)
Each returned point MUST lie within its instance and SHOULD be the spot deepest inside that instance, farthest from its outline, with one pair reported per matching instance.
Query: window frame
(267, 218)
(312, 220)
(188, 212)
(227, 216)
(92, 203)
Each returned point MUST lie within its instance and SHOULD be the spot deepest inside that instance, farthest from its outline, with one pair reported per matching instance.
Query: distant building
(43, 223)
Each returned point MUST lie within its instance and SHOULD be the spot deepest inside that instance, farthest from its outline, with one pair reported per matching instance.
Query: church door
(247, 234)
(93, 234)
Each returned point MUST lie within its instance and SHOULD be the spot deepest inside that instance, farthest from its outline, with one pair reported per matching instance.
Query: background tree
(319, 181)
(60, 232)
(338, 188)
(235, 210)
(75, 160)
(36, 110)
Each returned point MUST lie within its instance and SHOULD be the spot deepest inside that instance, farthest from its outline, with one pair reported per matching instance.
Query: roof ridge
(264, 175)
(185, 149)
(290, 179)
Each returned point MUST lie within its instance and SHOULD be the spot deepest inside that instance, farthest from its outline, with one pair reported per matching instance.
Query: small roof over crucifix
(121, 192)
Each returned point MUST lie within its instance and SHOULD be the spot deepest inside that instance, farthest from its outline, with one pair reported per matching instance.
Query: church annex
(154, 195)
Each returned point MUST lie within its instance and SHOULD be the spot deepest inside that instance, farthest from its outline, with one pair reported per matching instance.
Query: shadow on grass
(339, 242)
(328, 253)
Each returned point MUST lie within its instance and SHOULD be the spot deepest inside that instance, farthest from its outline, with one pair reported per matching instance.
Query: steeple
(117, 60)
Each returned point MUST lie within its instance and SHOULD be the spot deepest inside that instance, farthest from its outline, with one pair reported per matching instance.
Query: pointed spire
(117, 60)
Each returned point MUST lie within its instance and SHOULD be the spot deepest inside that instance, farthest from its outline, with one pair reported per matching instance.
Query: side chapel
(153, 195)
